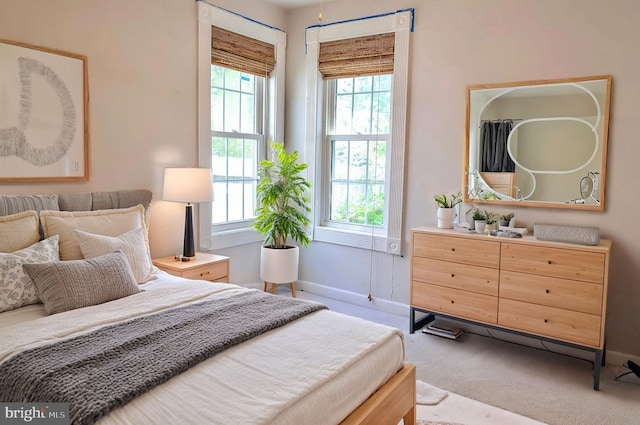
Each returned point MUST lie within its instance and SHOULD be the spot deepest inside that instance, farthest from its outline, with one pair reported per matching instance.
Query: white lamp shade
(191, 185)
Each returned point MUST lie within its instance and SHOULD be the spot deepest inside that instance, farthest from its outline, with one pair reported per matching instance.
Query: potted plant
(281, 215)
(446, 211)
(505, 219)
(491, 226)
(476, 215)
(480, 220)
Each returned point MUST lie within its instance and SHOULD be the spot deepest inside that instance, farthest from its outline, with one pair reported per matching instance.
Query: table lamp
(190, 185)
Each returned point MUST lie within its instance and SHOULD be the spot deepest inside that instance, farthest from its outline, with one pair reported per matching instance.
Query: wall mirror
(538, 143)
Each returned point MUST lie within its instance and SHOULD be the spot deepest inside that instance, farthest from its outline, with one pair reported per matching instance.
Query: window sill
(229, 238)
(354, 239)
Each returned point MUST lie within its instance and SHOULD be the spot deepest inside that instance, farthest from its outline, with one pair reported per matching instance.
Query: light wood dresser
(549, 290)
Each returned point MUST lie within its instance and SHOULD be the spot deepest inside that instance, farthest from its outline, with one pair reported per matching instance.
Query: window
(358, 72)
(237, 143)
(240, 73)
(358, 120)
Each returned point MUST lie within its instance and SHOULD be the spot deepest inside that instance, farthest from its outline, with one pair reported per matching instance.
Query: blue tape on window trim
(411, 9)
(244, 17)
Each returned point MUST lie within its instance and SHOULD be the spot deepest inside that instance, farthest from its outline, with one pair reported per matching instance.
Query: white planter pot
(279, 265)
(446, 217)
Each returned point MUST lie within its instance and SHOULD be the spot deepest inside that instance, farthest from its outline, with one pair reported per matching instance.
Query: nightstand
(211, 267)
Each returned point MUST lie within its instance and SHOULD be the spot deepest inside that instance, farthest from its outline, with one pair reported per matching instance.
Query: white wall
(142, 78)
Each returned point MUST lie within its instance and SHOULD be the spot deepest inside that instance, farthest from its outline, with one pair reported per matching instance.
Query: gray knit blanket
(105, 369)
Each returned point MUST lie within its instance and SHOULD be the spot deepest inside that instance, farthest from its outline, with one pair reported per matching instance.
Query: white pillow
(103, 222)
(16, 287)
(132, 244)
(18, 231)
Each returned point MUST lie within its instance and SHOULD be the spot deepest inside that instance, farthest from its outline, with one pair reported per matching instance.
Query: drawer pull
(453, 275)
(452, 302)
(549, 261)
(204, 273)
(453, 249)
(547, 291)
(546, 321)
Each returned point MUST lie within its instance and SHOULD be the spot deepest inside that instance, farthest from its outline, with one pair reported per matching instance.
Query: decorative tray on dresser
(553, 291)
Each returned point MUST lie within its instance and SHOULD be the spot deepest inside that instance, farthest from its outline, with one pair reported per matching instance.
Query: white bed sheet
(314, 370)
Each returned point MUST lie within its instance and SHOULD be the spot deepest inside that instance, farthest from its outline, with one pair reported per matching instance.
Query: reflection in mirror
(540, 143)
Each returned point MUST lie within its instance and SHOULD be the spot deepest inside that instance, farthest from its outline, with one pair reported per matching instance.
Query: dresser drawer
(566, 325)
(469, 305)
(458, 276)
(460, 250)
(213, 272)
(555, 262)
(561, 293)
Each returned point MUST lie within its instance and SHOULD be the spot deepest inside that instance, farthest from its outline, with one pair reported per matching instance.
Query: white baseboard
(354, 298)
(615, 358)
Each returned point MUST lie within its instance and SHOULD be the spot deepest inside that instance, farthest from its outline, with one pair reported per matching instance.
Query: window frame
(234, 233)
(389, 238)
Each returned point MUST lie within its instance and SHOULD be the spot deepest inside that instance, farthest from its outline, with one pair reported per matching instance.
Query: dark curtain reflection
(493, 146)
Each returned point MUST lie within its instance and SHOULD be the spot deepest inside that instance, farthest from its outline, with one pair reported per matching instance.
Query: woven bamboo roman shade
(355, 57)
(241, 53)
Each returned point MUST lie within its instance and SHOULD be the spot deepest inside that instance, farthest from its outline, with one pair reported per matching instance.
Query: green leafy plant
(491, 217)
(448, 202)
(282, 196)
(506, 217)
(477, 214)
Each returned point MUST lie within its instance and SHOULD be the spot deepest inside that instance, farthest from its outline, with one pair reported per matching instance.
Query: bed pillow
(16, 287)
(67, 285)
(132, 244)
(103, 222)
(18, 231)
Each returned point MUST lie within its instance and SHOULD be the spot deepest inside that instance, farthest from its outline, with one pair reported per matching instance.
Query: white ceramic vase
(446, 217)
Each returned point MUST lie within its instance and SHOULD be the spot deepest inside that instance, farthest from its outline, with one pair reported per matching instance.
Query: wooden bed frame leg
(264, 287)
(293, 289)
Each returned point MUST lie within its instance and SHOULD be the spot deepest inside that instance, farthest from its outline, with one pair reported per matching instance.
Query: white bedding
(314, 370)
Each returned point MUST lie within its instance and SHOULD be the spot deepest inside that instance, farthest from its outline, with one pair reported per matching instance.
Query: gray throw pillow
(67, 285)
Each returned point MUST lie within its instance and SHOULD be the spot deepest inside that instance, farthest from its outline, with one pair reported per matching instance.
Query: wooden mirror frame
(469, 179)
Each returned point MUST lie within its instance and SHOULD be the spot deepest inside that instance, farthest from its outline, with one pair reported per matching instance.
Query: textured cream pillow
(103, 222)
(16, 287)
(132, 244)
(67, 285)
(18, 231)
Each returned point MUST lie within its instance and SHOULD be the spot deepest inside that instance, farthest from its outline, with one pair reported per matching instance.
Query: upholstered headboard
(87, 201)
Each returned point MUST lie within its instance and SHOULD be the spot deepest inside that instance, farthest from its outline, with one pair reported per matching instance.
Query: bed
(314, 366)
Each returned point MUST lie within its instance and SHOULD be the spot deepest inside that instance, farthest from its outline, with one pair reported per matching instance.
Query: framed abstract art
(44, 114)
